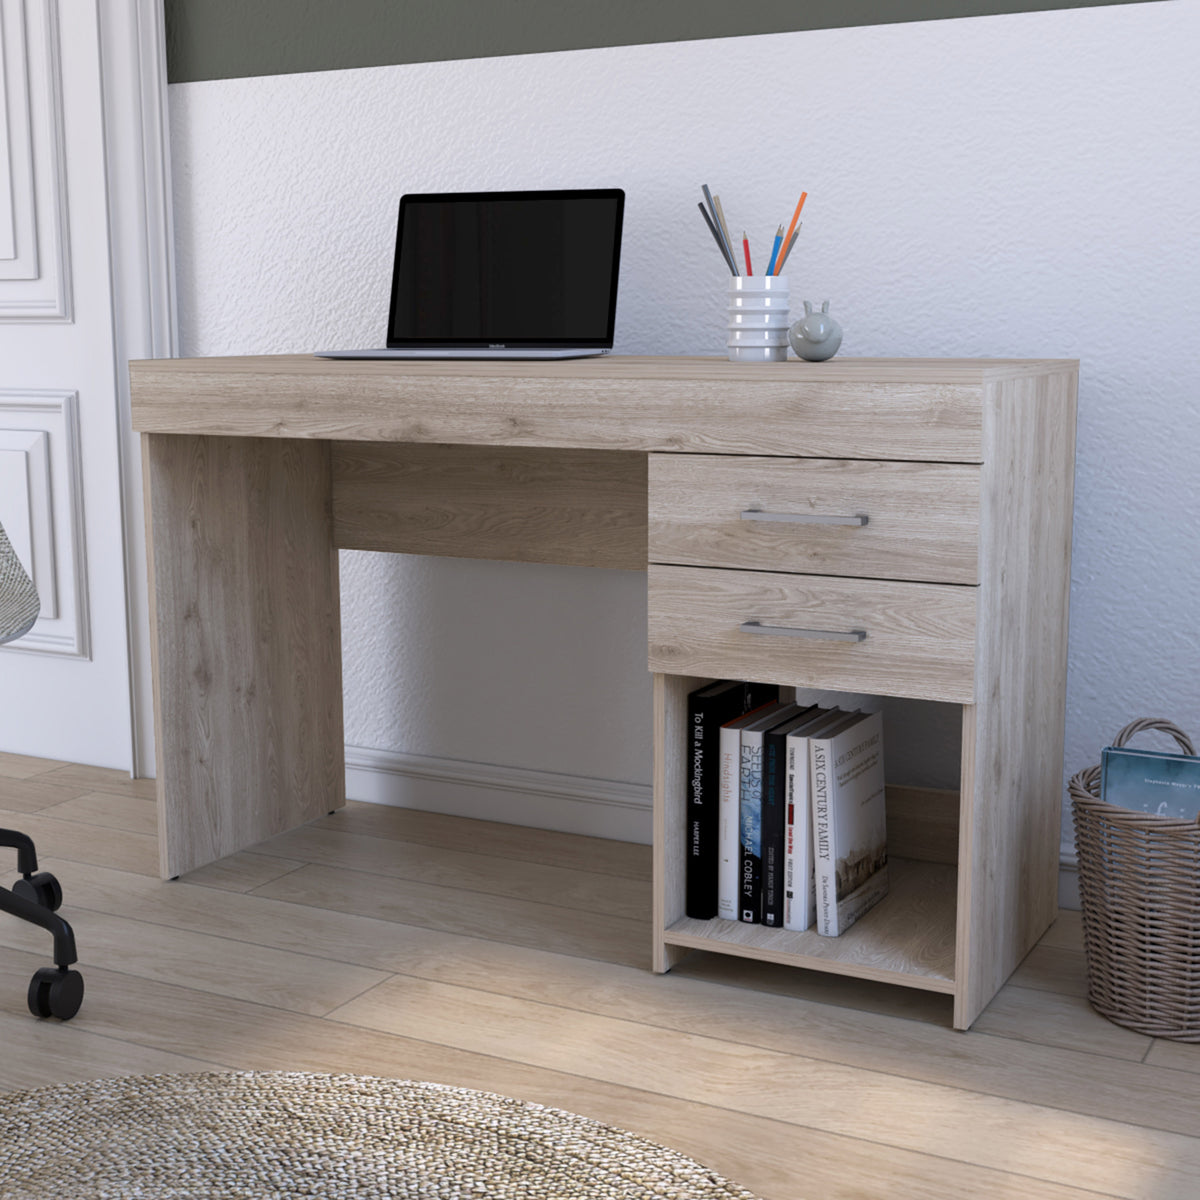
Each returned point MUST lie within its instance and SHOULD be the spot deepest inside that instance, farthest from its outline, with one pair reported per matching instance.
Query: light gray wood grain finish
(626, 860)
(920, 636)
(922, 519)
(248, 661)
(928, 410)
(923, 823)
(521, 504)
(458, 910)
(908, 938)
(917, 424)
(1012, 769)
(1041, 1098)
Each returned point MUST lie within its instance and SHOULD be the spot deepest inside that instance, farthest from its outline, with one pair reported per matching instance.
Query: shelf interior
(907, 938)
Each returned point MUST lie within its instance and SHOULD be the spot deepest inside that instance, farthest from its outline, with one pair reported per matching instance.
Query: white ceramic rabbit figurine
(816, 336)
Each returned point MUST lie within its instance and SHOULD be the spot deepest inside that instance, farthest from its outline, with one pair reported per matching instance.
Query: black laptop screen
(535, 269)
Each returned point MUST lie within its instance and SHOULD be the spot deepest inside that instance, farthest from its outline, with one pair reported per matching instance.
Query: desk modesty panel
(921, 507)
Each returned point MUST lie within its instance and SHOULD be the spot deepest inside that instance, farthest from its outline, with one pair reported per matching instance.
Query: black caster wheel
(55, 992)
(42, 889)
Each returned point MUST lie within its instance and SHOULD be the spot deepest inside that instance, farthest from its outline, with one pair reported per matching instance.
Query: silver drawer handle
(756, 514)
(821, 635)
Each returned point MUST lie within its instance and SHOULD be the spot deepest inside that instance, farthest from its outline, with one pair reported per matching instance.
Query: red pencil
(746, 248)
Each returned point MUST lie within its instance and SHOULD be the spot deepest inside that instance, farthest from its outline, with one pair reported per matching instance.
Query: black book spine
(701, 899)
(706, 715)
(774, 827)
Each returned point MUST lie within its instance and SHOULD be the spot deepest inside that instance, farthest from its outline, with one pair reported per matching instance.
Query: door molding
(35, 269)
(141, 243)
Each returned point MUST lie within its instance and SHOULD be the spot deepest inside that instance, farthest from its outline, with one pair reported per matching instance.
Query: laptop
(503, 275)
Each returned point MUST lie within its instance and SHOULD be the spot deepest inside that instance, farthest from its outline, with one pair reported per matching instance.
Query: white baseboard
(511, 795)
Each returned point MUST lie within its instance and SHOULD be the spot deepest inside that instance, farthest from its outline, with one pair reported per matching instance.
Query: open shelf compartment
(909, 938)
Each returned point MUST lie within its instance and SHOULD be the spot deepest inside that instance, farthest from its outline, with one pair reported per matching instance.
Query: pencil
(746, 251)
(721, 225)
(775, 251)
(712, 208)
(795, 218)
(716, 238)
(779, 264)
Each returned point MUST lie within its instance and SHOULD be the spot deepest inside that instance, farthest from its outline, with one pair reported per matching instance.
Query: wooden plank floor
(417, 946)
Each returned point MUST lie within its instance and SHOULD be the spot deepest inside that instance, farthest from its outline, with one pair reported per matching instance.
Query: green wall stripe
(230, 39)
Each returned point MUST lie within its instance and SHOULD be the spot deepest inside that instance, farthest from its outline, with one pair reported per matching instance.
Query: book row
(786, 810)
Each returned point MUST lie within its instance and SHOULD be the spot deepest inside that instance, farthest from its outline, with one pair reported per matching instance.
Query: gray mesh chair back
(19, 603)
(54, 991)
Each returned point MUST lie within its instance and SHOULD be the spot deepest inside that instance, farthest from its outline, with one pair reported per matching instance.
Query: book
(750, 808)
(799, 879)
(1151, 781)
(729, 836)
(774, 813)
(708, 708)
(849, 821)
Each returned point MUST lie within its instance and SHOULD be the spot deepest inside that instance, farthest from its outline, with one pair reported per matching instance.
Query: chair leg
(26, 855)
(37, 914)
(54, 991)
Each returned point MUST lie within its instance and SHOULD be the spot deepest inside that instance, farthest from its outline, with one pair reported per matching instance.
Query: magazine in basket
(1151, 781)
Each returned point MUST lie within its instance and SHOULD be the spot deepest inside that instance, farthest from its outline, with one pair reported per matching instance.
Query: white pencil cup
(758, 318)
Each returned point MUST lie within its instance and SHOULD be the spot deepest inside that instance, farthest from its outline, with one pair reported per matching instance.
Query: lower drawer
(885, 637)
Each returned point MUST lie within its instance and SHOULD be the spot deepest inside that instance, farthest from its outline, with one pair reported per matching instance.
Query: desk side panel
(1012, 772)
(248, 695)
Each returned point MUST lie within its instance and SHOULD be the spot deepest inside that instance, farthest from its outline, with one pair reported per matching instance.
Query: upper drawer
(885, 520)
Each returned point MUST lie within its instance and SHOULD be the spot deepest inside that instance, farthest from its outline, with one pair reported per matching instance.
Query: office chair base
(55, 992)
(42, 889)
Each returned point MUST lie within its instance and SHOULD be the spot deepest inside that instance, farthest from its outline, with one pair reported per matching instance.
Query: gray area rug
(286, 1134)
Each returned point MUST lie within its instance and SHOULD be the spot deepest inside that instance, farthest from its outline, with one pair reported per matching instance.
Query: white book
(729, 843)
(849, 821)
(799, 881)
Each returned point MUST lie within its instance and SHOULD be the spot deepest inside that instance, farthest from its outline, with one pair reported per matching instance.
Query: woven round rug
(285, 1134)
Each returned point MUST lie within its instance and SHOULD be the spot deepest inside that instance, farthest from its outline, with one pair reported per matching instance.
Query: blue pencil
(775, 250)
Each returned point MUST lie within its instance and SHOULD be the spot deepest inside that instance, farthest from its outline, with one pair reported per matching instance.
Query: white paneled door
(84, 286)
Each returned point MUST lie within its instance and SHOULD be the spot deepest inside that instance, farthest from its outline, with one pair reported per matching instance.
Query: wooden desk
(258, 469)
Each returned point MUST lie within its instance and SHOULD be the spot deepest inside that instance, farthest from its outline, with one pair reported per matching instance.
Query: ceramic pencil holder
(758, 318)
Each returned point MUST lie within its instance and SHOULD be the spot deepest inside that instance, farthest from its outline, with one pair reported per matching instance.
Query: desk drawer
(890, 520)
(919, 637)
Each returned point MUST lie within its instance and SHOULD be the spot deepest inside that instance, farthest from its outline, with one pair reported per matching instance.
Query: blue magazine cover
(1151, 781)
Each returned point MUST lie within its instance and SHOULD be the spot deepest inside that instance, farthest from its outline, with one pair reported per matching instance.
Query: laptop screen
(507, 269)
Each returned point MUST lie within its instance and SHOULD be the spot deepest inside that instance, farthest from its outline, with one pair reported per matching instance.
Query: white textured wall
(1017, 185)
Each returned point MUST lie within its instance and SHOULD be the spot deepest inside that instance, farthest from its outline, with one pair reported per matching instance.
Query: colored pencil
(775, 251)
(746, 251)
(721, 225)
(779, 264)
(712, 208)
(717, 238)
(795, 218)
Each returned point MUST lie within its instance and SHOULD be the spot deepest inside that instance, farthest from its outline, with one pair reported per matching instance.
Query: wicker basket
(1139, 888)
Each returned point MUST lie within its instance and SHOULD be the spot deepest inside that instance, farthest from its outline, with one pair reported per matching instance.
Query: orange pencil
(791, 228)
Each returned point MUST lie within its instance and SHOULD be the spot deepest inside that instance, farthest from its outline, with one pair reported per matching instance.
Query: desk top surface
(612, 402)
